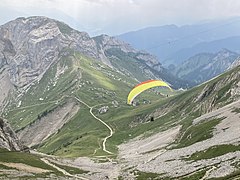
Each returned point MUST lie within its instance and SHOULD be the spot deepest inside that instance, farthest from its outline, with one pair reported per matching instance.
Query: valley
(67, 107)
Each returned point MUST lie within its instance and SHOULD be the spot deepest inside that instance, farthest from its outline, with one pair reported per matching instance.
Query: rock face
(8, 139)
(5, 86)
(30, 46)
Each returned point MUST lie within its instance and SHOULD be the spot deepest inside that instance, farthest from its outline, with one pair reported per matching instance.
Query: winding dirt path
(110, 129)
(105, 124)
(90, 110)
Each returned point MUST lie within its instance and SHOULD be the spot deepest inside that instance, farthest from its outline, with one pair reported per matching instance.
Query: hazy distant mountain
(164, 41)
(231, 43)
(204, 66)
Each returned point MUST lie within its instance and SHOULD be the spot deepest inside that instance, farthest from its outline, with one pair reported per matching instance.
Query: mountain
(65, 93)
(29, 46)
(205, 66)
(167, 42)
(198, 138)
(193, 135)
(231, 43)
(45, 65)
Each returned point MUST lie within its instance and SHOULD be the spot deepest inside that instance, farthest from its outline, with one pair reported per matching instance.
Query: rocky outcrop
(115, 104)
(103, 109)
(8, 139)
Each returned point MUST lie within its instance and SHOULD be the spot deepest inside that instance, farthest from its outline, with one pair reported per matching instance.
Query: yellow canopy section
(144, 86)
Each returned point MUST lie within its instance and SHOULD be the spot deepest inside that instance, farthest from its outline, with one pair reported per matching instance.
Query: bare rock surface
(8, 138)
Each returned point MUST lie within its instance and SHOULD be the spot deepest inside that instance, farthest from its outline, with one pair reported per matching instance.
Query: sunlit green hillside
(76, 76)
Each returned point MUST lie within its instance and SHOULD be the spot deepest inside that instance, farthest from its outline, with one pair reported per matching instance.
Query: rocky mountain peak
(205, 66)
(18, 29)
(29, 46)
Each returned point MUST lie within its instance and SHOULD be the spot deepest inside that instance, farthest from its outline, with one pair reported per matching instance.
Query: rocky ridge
(106, 42)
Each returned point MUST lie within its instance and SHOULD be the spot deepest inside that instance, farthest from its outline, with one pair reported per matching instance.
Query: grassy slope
(28, 159)
(187, 108)
(42, 96)
(214, 151)
(33, 161)
(90, 81)
(183, 109)
(98, 85)
(199, 132)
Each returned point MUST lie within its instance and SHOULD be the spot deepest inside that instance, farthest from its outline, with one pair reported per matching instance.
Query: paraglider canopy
(144, 86)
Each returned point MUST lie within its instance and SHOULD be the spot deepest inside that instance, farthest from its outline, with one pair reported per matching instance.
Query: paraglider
(138, 89)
